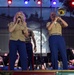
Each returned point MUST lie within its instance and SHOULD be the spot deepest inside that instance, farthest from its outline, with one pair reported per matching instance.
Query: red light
(39, 2)
(9, 2)
(72, 3)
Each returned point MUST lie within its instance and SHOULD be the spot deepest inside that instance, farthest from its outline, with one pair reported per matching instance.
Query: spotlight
(71, 5)
(26, 1)
(9, 2)
(54, 3)
(72, 2)
(39, 2)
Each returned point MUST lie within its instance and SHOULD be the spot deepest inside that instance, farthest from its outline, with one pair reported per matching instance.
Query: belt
(55, 34)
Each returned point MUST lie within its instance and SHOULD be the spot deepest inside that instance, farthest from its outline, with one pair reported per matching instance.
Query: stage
(39, 72)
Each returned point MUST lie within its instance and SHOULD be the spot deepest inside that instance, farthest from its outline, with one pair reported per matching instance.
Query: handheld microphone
(19, 19)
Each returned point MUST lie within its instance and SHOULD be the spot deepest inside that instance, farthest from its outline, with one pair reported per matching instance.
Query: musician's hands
(57, 18)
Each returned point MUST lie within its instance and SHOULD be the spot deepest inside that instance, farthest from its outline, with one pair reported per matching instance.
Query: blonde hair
(22, 15)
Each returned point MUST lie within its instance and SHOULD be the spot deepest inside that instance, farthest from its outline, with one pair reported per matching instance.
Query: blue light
(26, 1)
(54, 3)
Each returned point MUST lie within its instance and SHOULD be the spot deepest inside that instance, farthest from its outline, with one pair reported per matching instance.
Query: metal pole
(41, 32)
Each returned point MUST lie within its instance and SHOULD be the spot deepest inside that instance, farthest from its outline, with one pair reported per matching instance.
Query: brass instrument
(61, 11)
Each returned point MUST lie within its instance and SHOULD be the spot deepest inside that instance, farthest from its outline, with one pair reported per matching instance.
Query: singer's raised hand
(18, 20)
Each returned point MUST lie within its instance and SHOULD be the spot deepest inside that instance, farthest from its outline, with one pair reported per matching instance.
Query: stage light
(26, 1)
(54, 3)
(39, 2)
(9, 2)
(72, 3)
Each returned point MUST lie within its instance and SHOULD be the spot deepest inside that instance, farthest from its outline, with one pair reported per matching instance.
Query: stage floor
(38, 72)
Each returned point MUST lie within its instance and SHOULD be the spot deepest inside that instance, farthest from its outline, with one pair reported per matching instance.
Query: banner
(65, 73)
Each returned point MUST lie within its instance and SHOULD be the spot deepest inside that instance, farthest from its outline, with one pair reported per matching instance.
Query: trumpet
(61, 11)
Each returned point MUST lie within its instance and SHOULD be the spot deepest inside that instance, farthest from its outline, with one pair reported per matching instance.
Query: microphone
(18, 19)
